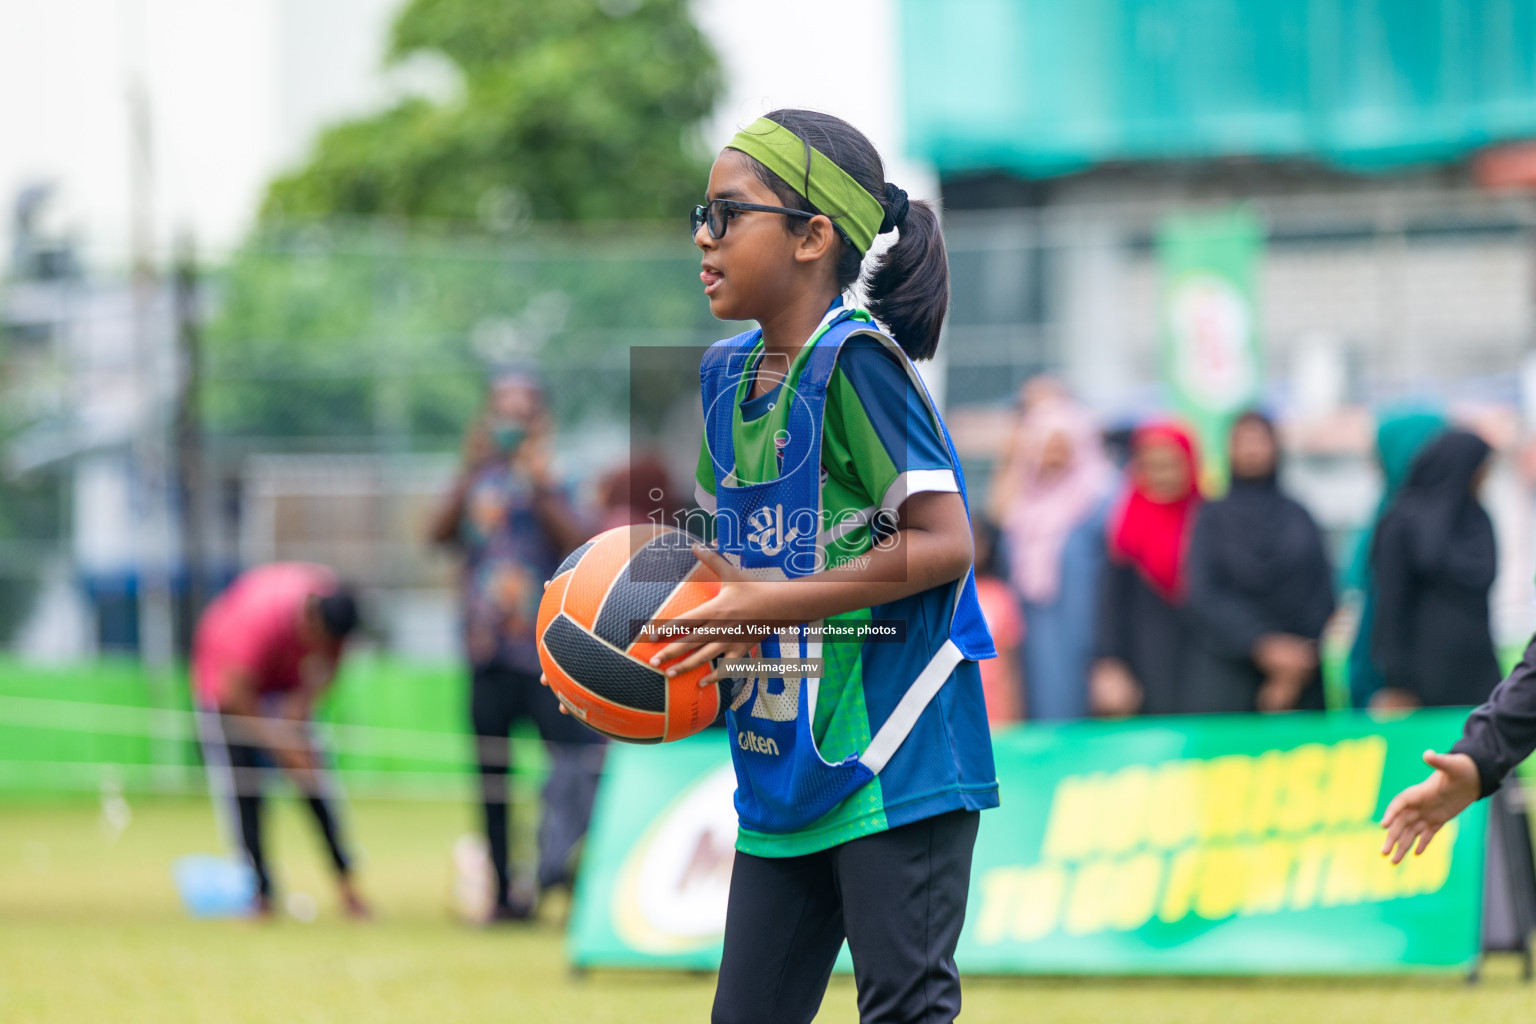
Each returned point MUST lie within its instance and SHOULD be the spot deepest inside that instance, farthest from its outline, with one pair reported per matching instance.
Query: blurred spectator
(1049, 498)
(1260, 589)
(1434, 560)
(1040, 389)
(638, 491)
(1400, 436)
(513, 526)
(264, 652)
(1000, 676)
(1144, 639)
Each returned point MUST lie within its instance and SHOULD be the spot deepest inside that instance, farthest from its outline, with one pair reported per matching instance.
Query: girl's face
(752, 271)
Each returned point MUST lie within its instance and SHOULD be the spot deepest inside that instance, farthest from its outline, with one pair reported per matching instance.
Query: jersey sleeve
(878, 429)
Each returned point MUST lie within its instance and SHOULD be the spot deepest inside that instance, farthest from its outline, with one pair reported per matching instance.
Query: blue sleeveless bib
(774, 530)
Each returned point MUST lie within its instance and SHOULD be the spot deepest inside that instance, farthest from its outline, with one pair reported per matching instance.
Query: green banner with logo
(1203, 845)
(1209, 266)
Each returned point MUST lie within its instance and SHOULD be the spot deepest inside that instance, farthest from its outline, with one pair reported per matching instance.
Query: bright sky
(236, 89)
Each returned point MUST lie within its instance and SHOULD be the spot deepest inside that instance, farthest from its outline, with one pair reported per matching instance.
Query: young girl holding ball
(842, 533)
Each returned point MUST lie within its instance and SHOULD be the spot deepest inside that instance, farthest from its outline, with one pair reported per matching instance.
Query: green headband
(827, 186)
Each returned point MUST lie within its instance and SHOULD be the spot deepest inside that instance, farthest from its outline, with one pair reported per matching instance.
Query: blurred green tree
(418, 246)
(357, 336)
(566, 110)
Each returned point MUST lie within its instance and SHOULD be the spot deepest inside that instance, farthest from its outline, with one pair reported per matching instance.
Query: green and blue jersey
(880, 444)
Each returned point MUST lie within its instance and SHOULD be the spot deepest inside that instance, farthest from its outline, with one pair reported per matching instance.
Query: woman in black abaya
(1434, 559)
(1261, 589)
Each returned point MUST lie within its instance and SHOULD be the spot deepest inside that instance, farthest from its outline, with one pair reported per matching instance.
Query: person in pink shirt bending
(264, 652)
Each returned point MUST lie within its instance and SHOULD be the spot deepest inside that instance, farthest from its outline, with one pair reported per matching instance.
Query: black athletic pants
(246, 764)
(898, 897)
(499, 696)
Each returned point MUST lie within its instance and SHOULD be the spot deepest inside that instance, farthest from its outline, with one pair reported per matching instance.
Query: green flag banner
(1202, 845)
(1209, 263)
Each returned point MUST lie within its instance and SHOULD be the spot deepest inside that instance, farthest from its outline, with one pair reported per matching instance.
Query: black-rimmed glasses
(716, 213)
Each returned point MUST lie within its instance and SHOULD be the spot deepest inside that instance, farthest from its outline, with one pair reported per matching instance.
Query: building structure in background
(1354, 130)
(1366, 139)
(92, 373)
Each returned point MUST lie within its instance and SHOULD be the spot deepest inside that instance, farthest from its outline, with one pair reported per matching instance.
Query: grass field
(91, 931)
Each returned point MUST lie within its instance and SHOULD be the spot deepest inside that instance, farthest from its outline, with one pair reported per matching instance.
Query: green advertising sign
(657, 864)
(1221, 844)
(1209, 265)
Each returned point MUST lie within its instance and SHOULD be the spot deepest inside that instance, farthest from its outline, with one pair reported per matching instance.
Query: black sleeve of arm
(1502, 732)
(1111, 638)
(1392, 625)
(1229, 625)
(1321, 602)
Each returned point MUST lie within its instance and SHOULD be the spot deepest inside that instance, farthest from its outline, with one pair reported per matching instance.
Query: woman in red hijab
(1144, 635)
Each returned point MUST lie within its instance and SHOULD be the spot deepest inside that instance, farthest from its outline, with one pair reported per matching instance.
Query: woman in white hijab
(1049, 499)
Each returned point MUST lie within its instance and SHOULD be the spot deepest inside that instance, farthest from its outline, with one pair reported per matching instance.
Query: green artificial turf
(91, 930)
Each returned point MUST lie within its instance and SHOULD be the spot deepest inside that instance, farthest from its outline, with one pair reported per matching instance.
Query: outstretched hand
(1417, 813)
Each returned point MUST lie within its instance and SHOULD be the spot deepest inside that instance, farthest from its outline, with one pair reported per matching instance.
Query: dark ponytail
(909, 289)
(909, 286)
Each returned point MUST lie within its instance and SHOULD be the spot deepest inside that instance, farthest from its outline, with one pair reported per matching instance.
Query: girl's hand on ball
(544, 681)
(735, 604)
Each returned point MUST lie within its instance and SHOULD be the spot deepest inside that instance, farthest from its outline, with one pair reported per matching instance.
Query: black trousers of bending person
(499, 696)
(236, 769)
(898, 897)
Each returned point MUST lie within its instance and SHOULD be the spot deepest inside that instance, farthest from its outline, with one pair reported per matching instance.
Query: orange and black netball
(592, 642)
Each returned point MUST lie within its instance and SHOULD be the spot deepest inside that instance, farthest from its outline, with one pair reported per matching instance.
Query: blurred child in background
(639, 491)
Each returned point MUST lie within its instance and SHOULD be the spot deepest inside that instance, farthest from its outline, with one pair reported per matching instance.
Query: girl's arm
(930, 547)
